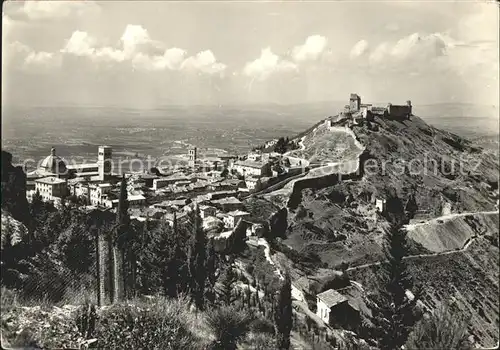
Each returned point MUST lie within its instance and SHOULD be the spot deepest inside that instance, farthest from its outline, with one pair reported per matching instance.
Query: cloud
(379, 53)
(136, 38)
(42, 59)
(17, 54)
(204, 62)
(142, 52)
(359, 49)
(44, 10)
(418, 46)
(171, 59)
(80, 44)
(412, 48)
(267, 64)
(310, 50)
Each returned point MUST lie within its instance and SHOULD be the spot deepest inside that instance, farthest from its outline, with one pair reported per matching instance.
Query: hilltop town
(309, 207)
(217, 184)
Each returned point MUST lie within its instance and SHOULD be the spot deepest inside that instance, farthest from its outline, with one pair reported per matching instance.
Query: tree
(280, 146)
(229, 326)
(118, 241)
(395, 315)
(197, 260)
(441, 330)
(225, 290)
(225, 172)
(283, 314)
(211, 268)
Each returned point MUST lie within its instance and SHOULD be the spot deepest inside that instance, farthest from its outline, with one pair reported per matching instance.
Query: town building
(222, 194)
(55, 166)
(134, 201)
(270, 143)
(206, 211)
(51, 187)
(253, 183)
(255, 157)
(99, 193)
(228, 204)
(50, 166)
(172, 180)
(252, 168)
(233, 217)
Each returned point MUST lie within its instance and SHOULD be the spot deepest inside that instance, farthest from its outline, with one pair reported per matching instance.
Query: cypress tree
(395, 315)
(119, 237)
(197, 260)
(225, 290)
(283, 314)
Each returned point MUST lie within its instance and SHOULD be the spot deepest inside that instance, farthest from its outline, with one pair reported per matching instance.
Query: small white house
(381, 205)
(326, 302)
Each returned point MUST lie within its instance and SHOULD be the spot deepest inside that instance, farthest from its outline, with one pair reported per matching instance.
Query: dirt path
(448, 252)
(410, 227)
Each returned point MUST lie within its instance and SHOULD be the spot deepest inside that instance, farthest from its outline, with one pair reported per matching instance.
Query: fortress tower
(354, 102)
(104, 162)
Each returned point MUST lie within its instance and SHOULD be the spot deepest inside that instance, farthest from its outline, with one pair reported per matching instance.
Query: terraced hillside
(454, 237)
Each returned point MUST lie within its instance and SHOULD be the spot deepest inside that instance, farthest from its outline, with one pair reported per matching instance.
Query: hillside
(341, 223)
(334, 218)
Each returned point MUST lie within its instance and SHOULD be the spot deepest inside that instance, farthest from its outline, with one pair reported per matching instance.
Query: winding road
(435, 220)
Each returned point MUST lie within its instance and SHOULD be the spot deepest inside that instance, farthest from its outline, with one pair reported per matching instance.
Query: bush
(261, 342)
(229, 326)
(262, 325)
(159, 326)
(442, 330)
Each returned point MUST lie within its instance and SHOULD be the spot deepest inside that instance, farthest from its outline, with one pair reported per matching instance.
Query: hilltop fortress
(356, 109)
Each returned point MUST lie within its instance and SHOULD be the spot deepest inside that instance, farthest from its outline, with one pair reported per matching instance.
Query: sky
(151, 54)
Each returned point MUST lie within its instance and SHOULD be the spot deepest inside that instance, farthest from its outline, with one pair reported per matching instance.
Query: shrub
(442, 330)
(229, 326)
(159, 326)
(262, 325)
(261, 341)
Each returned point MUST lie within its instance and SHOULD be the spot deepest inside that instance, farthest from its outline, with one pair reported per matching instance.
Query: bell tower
(193, 156)
(104, 162)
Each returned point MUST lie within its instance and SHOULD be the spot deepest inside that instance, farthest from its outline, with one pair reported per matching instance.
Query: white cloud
(359, 49)
(136, 39)
(171, 59)
(205, 62)
(142, 52)
(267, 64)
(80, 44)
(379, 53)
(17, 54)
(42, 10)
(42, 59)
(310, 50)
(414, 47)
(417, 46)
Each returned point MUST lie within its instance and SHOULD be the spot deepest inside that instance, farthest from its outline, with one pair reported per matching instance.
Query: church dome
(53, 163)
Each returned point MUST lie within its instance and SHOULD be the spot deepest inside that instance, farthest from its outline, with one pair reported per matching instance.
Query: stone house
(334, 308)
